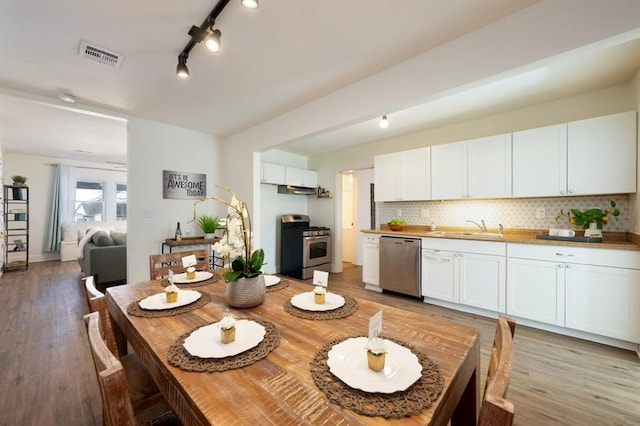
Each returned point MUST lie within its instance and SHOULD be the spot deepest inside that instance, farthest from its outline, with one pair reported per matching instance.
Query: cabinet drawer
(582, 255)
(467, 246)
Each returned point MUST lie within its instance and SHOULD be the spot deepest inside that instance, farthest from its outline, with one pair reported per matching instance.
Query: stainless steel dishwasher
(400, 265)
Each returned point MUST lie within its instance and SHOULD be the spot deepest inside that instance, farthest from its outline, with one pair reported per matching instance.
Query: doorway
(356, 212)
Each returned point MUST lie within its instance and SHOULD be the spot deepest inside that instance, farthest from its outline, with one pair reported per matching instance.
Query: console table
(170, 244)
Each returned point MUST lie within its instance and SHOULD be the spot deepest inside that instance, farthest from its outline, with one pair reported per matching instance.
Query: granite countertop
(611, 240)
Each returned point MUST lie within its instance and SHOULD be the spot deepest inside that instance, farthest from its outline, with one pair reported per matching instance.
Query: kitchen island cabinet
(470, 273)
(403, 176)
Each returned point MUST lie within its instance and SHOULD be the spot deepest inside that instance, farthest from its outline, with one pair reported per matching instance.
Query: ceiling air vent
(100, 55)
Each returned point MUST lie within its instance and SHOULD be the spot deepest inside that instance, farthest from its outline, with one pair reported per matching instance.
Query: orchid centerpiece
(236, 244)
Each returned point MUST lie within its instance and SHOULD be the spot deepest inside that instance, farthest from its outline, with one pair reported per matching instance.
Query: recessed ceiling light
(384, 122)
(67, 97)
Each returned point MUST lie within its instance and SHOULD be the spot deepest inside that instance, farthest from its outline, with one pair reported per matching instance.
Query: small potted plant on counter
(592, 220)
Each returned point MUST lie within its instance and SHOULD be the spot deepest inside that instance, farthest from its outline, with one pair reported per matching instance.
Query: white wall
(40, 174)
(364, 179)
(152, 148)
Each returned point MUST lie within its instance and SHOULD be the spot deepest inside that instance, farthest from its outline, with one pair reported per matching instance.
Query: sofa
(103, 254)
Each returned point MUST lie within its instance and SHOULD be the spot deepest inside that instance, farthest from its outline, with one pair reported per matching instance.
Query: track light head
(182, 71)
(384, 122)
(250, 4)
(213, 41)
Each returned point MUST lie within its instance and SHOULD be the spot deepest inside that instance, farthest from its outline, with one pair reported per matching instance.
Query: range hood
(296, 190)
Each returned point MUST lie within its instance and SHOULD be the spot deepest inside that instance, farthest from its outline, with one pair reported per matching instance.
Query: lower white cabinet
(535, 290)
(591, 290)
(371, 262)
(473, 277)
(603, 301)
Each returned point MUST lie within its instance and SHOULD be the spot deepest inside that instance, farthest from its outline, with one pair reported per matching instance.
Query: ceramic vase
(246, 292)
(593, 231)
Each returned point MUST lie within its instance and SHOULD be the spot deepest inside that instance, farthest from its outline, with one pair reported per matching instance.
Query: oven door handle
(316, 237)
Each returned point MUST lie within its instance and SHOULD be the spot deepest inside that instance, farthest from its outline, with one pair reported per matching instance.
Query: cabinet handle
(561, 265)
(571, 191)
(568, 266)
(565, 255)
(563, 192)
(431, 250)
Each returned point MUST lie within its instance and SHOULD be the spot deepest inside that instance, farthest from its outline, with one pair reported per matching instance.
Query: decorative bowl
(396, 226)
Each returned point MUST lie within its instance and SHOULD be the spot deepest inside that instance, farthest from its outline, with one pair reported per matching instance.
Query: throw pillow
(119, 238)
(101, 238)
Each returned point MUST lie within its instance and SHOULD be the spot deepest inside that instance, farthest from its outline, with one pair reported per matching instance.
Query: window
(89, 205)
(121, 201)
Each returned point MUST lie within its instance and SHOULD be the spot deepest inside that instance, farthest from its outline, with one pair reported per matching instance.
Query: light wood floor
(48, 378)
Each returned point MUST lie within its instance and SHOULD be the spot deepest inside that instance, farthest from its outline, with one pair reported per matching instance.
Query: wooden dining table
(279, 389)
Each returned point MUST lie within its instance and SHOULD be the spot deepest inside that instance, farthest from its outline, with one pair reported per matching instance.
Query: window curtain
(62, 204)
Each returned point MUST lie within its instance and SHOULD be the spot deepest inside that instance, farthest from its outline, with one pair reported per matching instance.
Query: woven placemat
(350, 306)
(179, 357)
(399, 404)
(135, 309)
(215, 278)
(282, 284)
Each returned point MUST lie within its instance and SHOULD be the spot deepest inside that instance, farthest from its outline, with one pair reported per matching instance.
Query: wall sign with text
(183, 185)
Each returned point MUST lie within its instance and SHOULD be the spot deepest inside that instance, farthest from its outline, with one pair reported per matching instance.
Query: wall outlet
(398, 213)
(540, 213)
(424, 213)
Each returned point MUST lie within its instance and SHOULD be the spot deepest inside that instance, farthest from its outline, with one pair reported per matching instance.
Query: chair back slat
(160, 264)
(496, 410)
(116, 402)
(98, 303)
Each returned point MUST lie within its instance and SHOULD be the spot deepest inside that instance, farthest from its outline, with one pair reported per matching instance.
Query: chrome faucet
(501, 229)
(482, 227)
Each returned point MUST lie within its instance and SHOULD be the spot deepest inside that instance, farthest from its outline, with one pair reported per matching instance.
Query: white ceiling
(274, 59)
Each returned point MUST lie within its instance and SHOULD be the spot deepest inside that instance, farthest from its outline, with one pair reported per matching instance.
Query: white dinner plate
(159, 301)
(206, 342)
(200, 276)
(305, 301)
(270, 280)
(348, 361)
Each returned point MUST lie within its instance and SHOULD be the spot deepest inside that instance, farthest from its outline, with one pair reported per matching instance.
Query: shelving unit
(16, 219)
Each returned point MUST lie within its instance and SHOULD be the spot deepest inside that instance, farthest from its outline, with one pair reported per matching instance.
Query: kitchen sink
(465, 234)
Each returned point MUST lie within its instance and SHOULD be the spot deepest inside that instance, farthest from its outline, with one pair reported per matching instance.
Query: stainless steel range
(303, 248)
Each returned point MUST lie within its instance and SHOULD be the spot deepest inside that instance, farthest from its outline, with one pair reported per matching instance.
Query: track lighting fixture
(182, 70)
(206, 33)
(250, 4)
(384, 122)
(213, 41)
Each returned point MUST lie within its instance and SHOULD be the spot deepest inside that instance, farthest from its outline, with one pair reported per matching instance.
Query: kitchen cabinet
(591, 290)
(576, 158)
(371, 262)
(301, 177)
(272, 174)
(471, 273)
(403, 176)
(477, 168)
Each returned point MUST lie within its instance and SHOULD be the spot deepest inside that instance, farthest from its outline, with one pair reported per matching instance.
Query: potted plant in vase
(209, 224)
(18, 181)
(245, 283)
(592, 220)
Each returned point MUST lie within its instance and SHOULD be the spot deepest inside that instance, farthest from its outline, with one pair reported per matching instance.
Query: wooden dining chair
(119, 405)
(97, 303)
(160, 264)
(495, 409)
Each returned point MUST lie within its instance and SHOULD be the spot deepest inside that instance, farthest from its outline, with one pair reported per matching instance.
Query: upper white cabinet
(301, 177)
(540, 162)
(602, 154)
(586, 157)
(478, 168)
(403, 176)
(272, 173)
